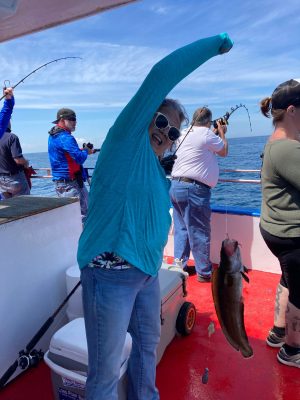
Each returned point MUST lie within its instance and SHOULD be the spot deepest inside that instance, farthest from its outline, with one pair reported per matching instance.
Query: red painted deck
(230, 375)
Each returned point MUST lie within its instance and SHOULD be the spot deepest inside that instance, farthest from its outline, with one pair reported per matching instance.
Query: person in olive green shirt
(280, 215)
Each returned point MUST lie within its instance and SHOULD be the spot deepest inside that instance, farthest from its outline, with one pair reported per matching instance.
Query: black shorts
(287, 250)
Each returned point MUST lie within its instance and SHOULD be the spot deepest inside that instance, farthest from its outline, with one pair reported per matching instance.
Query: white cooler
(175, 311)
(67, 358)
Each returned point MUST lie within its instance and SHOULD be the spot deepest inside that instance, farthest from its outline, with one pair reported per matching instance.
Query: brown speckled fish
(227, 295)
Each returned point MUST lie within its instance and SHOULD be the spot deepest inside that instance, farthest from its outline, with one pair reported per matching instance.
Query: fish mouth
(230, 246)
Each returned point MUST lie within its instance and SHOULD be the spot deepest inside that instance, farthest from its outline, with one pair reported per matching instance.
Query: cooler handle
(63, 371)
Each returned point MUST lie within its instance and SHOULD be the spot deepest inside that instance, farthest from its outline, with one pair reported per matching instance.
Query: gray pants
(14, 185)
(72, 189)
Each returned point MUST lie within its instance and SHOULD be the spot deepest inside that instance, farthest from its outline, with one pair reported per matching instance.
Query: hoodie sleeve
(69, 144)
(162, 78)
(5, 114)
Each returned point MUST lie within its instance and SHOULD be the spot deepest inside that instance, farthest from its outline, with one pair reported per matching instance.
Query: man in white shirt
(195, 172)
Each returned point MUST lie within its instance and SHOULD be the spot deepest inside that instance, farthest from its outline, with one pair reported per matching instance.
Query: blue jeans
(14, 185)
(114, 302)
(72, 189)
(191, 215)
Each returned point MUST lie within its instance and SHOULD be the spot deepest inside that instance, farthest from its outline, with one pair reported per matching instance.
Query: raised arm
(162, 78)
(7, 109)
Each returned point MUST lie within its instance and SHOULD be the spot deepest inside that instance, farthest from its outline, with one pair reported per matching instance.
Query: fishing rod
(30, 356)
(32, 72)
(224, 119)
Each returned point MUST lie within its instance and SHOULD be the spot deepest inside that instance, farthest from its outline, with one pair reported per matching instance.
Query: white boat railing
(252, 181)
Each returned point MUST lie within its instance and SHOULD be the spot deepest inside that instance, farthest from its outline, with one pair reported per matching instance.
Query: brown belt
(188, 180)
(64, 180)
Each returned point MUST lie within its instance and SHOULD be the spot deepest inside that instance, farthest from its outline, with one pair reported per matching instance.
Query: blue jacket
(5, 114)
(61, 142)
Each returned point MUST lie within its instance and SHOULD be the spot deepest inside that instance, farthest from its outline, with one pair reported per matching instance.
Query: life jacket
(74, 168)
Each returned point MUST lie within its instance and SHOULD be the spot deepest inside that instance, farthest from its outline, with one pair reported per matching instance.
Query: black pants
(287, 250)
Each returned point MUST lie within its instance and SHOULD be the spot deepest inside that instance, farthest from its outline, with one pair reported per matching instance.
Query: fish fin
(245, 269)
(247, 351)
(245, 277)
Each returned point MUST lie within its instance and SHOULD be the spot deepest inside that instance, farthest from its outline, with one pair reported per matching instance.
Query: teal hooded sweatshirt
(129, 198)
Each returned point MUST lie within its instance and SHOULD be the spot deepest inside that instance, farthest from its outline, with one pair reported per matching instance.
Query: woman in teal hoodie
(121, 247)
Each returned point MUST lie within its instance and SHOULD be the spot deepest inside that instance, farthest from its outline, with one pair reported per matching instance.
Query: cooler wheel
(186, 318)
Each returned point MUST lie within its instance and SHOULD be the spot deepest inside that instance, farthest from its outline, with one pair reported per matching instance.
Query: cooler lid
(169, 281)
(73, 271)
(70, 342)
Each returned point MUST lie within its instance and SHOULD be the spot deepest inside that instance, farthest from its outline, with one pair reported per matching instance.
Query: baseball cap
(286, 94)
(65, 113)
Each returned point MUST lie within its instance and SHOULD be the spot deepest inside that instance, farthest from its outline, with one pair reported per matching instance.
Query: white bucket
(74, 308)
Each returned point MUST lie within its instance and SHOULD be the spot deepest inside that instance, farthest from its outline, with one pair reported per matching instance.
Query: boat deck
(180, 370)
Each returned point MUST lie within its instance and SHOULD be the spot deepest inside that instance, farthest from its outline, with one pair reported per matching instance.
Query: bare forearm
(224, 151)
(21, 161)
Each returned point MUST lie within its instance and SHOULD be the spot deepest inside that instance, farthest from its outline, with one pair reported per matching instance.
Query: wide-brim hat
(286, 94)
(64, 113)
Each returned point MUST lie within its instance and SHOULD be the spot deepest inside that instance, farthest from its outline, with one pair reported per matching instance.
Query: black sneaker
(275, 340)
(291, 360)
(202, 278)
(190, 269)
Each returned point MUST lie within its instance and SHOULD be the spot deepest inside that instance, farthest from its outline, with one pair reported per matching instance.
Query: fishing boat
(39, 240)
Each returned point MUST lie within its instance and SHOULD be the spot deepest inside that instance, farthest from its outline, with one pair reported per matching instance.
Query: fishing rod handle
(39, 334)
(4, 95)
(5, 377)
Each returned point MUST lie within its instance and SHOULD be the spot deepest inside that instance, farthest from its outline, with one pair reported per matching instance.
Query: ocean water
(244, 153)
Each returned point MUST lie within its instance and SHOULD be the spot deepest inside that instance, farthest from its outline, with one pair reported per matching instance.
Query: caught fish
(227, 296)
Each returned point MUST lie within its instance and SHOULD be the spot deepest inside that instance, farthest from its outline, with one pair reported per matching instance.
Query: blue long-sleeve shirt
(60, 143)
(129, 198)
(5, 114)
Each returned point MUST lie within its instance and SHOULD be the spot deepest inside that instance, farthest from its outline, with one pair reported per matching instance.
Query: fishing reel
(223, 121)
(31, 359)
(90, 146)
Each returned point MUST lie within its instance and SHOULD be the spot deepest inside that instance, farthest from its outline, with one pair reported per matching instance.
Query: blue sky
(119, 47)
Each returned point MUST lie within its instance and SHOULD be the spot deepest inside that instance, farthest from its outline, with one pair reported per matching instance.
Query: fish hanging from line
(227, 296)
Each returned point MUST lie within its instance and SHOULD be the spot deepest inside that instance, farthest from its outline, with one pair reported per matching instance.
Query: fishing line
(188, 131)
(224, 120)
(32, 72)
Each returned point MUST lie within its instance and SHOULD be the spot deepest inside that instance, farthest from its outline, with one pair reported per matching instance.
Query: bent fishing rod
(222, 120)
(30, 356)
(7, 82)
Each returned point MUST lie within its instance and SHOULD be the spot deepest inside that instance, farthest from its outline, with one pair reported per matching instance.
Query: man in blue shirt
(66, 159)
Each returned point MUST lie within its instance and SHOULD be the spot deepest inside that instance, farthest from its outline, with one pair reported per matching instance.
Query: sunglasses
(73, 119)
(162, 122)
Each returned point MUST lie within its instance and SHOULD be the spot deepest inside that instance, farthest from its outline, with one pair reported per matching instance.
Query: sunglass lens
(173, 134)
(161, 121)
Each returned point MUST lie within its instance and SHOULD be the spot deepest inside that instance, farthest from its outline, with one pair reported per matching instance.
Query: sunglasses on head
(162, 122)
